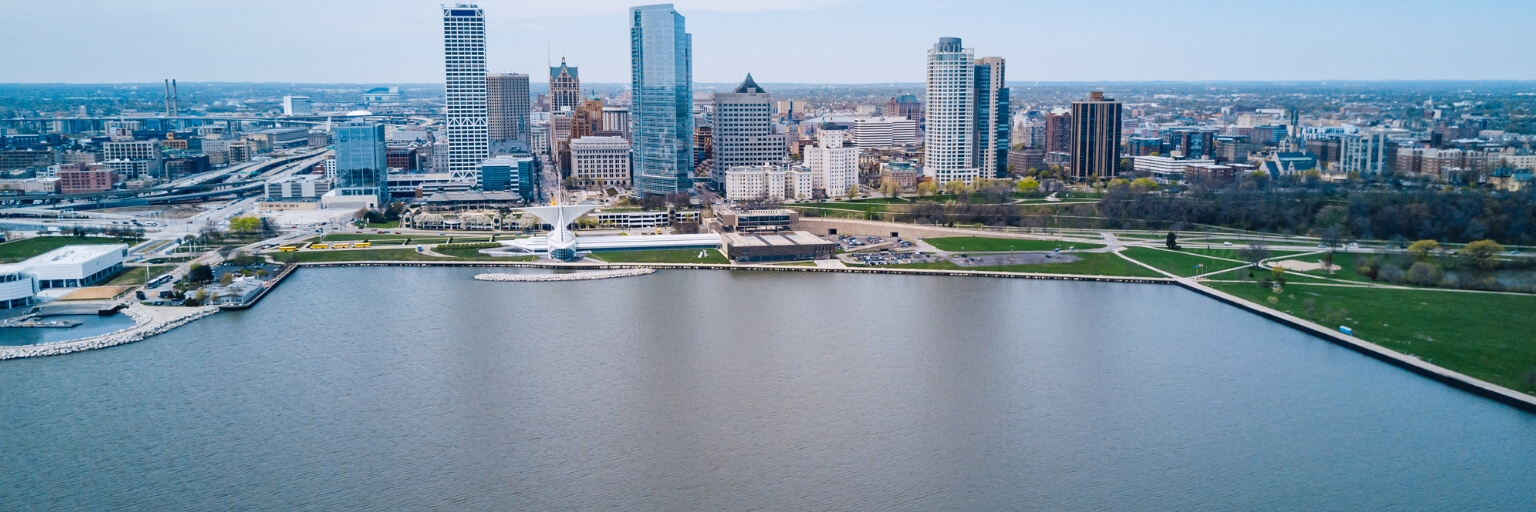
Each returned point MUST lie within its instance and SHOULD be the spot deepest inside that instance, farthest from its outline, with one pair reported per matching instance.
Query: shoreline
(1443, 375)
(148, 321)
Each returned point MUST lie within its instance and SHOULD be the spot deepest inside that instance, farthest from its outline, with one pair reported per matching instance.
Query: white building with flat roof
(767, 182)
(17, 287)
(600, 161)
(834, 164)
(76, 265)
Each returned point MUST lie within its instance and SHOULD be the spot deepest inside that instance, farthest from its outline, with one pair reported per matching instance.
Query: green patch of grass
(1232, 254)
(18, 250)
(1097, 264)
(1346, 271)
(980, 244)
(355, 237)
(134, 276)
(329, 256)
(1483, 335)
(663, 256)
(1179, 263)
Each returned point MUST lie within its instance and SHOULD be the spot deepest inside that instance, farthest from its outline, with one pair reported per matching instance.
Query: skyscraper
(564, 87)
(507, 106)
(1095, 137)
(743, 130)
(661, 79)
(1058, 132)
(361, 164)
(992, 118)
(949, 144)
(464, 56)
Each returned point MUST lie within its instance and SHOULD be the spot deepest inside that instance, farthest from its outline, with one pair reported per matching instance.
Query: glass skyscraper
(992, 118)
(361, 166)
(661, 57)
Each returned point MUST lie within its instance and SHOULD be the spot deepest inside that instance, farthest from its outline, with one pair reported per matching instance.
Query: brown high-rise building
(1095, 137)
(1058, 132)
(564, 87)
(507, 106)
(906, 106)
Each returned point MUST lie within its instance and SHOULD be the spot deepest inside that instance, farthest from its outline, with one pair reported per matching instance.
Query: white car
(1226, 243)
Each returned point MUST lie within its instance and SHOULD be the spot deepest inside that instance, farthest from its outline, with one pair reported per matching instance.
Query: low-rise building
(600, 161)
(768, 183)
(756, 219)
(84, 178)
(903, 174)
(767, 247)
(1167, 168)
(17, 287)
(76, 265)
(633, 219)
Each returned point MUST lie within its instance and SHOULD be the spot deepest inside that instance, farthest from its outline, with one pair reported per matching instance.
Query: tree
(926, 188)
(1173, 240)
(244, 225)
(954, 187)
(199, 273)
(1028, 186)
(1424, 273)
(889, 188)
(1423, 249)
(1143, 185)
(1484, 253)
(268, 228)
(853, 190)
(1254, 253)
(226, 279)
(1333, 236)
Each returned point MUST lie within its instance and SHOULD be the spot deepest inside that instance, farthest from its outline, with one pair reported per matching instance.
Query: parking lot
(1016, 258)
(892, 258)
(852, 243)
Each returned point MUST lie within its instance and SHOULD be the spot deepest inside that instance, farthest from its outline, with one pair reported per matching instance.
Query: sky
(778, 41)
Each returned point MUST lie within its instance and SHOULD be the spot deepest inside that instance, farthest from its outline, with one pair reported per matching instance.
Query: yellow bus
(362, 245)
(339, 246)
(287, 248)
(319, 246)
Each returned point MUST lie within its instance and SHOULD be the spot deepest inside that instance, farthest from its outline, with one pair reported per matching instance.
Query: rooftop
(73, 254)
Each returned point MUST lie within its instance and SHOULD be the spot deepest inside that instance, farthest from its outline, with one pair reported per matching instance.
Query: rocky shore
(578, 276)
(148, 321)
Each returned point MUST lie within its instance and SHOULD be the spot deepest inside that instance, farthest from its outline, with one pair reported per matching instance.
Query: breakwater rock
(577, 276)
(148, 321)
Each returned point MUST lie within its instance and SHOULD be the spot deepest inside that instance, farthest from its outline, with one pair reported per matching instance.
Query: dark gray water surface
(419, 389)
(90, 325)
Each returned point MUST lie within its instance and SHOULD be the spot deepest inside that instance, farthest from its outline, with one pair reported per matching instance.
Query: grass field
(1097, 264)
(663, 256)
(1484, 335)
(470, 253)
(360, 255)
(1346, 263)
(1232, 254)
(1178, 263)
(11, 252)
(354, 237)
(980, 244)
(134, 276)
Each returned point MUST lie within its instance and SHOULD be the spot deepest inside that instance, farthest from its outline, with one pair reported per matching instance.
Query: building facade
(564, 87)
(1095, 137)
(600, 161)
(661, 80)
(768, 183)
(993, 113)
(834, 164)
(1364, 153)
(743, 130)
(464, 59)
(949, 142)
(362, 167)
(507, 107)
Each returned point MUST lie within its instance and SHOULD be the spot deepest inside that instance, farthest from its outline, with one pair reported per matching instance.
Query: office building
(906, 106)
(883, 132)
(362, 170)
(464, 56)
(600, 161)
(507, 107)
(508, 173)
(834, 164)
(1095, 137)
(949, 145)
(661, 54)
(297, 106)
(1192, 142)
(616, 120)
(1058, 132)
(993, 113)
(742, 134)
(564, 87)
(84, 178)
(1026, 160)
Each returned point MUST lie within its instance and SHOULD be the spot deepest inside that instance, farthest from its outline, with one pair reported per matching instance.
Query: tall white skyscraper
(464, 56)
(834, 164)
(949, 144)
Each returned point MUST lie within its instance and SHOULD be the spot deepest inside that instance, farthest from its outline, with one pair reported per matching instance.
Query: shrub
(1424, 273)
(1390, 273)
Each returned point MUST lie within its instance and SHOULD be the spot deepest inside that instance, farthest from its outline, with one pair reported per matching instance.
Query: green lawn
(1232, 254)
(134, 276)
(474, 254)
(1346, 263)
(1178, 263)
(328, 256)
(1484, 335)
(18, 250)
(663, 256)
(1097, 264)
(980, 244)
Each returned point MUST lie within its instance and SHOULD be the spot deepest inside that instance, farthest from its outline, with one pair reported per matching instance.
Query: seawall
(148, 322)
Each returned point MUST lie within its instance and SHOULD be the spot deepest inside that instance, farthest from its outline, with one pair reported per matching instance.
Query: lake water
(90, 325)
(419, 388)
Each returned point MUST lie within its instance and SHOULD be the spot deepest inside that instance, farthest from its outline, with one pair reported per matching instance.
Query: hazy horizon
(851, 42)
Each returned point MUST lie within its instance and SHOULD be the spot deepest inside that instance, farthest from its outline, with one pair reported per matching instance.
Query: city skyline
(396, 42)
